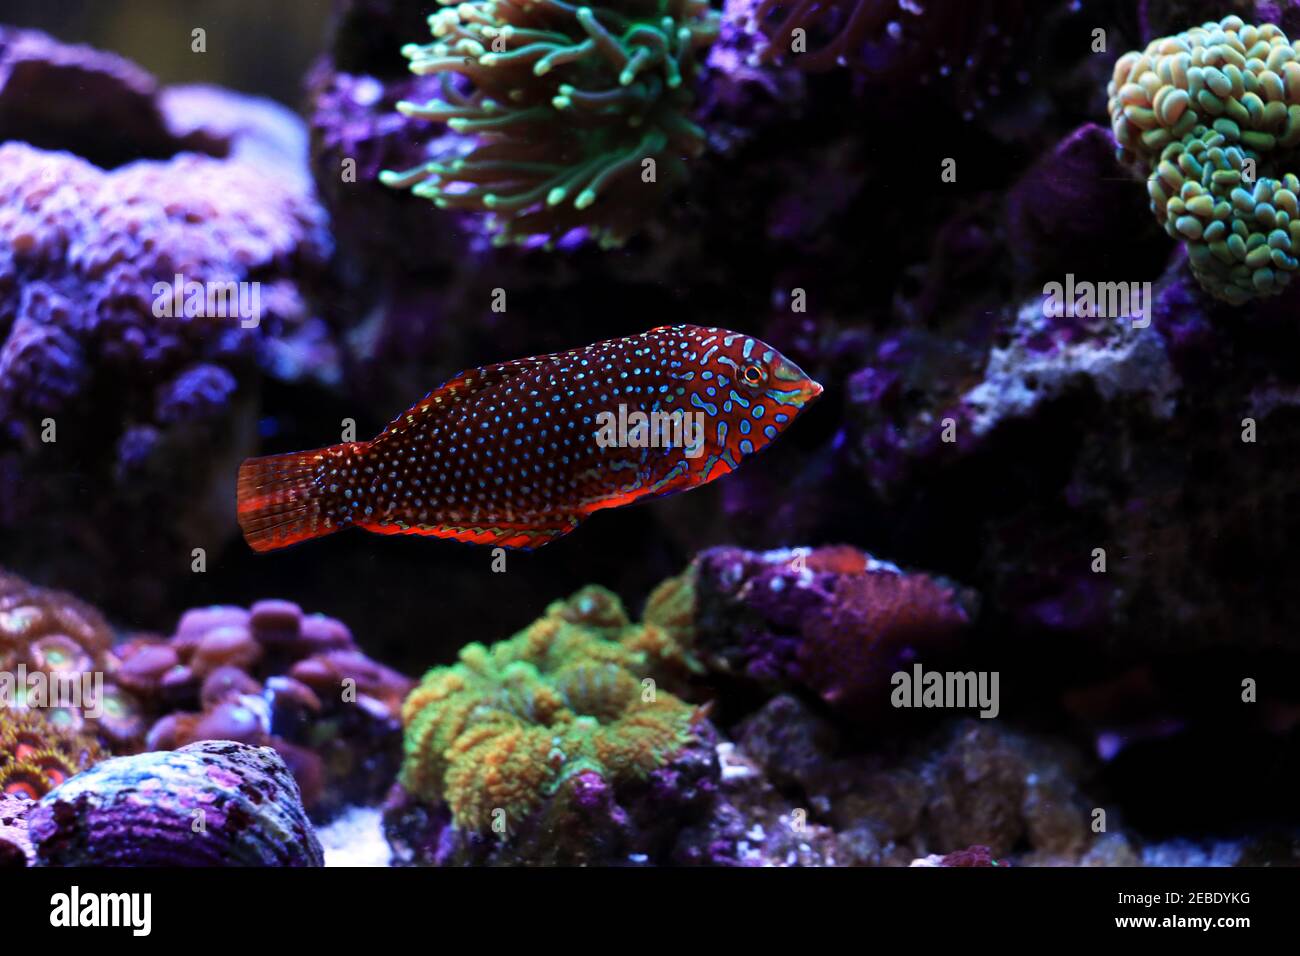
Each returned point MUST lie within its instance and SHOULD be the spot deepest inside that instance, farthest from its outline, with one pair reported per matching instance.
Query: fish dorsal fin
(464, 385)
(473, 380)
(675, 327)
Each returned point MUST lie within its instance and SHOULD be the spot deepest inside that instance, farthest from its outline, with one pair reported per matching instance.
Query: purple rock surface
(216, 803)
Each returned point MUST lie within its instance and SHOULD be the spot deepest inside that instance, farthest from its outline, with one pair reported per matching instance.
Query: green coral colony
(509, 726)
(1214, 113)
(565, 103)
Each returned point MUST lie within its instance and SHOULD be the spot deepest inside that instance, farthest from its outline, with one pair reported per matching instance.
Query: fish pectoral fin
(524, 535)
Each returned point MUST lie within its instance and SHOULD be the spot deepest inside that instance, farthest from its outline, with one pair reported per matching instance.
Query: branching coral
(36, 755)
(565, 104)
(1214, 115)
(511, 725)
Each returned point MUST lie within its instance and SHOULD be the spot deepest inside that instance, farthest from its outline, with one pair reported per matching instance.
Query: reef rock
(1077, 433)
(834, 621)
(216, 803)
(15, 845)
(750, 823)
(972, 783)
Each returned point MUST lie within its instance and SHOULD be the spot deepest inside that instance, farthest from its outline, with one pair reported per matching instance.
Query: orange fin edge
(519, 536)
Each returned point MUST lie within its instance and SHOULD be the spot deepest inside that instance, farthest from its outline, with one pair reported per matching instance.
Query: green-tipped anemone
(565, 104)
(1200, 109)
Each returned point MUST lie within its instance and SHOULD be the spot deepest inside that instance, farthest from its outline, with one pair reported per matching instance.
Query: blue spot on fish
(701, 403)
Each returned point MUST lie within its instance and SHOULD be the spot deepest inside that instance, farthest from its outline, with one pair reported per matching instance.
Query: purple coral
(197, 394)
(92, 243)
(41, 363)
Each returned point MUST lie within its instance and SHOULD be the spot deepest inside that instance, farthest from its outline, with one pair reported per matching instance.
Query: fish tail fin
(280, 502)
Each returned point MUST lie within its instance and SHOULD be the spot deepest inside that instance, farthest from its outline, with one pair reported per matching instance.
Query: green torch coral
(510, 725)
(566, 104)
(1214, 115)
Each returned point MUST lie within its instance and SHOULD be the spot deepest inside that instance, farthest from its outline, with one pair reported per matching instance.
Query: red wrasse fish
(517, 454)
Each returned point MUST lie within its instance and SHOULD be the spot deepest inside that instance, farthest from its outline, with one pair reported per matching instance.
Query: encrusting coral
(37, 755)
(566, 703)
(565, 105)
(1213, 114)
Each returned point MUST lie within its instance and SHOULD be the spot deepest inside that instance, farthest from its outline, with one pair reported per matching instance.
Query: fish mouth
(810, 392)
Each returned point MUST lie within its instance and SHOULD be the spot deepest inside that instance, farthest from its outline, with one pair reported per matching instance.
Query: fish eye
(753, 374)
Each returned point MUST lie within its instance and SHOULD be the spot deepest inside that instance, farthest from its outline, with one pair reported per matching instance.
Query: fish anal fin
(524, 536)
